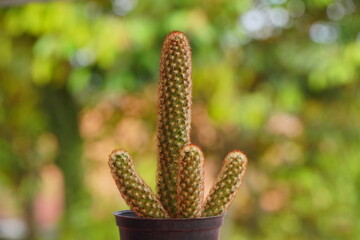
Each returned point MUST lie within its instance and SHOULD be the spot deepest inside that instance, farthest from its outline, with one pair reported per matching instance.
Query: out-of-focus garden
(277, 79)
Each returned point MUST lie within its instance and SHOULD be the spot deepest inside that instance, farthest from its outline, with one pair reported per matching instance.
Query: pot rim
(122, 214)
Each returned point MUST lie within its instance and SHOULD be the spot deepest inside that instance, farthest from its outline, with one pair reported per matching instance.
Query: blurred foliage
(278, 79)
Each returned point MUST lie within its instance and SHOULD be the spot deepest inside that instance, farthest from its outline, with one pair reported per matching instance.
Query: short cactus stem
(142, 201)
(174, 114)
(226, 185)
(190, 182)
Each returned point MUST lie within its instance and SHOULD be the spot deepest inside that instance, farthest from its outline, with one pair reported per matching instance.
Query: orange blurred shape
(92, 120)
(274, 200)
(203, 127)
(285, 124)
(131, 133)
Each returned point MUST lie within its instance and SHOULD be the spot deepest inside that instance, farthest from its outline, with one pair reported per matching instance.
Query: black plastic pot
(132, 227)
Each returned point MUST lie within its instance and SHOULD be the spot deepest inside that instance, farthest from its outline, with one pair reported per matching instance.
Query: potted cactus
(179, 209)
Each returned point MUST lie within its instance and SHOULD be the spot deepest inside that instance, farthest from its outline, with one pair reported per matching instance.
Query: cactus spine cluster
(180, 177)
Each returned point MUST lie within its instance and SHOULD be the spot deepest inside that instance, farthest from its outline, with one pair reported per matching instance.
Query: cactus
(174, 114)
(132, 187)
(180, 173)
(228, 182)
(190, 182)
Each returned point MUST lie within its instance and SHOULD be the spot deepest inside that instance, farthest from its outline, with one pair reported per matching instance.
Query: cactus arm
(190, 182)
(227, 184)
(142, 201)
(174, 114)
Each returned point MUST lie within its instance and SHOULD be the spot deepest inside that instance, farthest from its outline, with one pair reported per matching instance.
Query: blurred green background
(277, 79)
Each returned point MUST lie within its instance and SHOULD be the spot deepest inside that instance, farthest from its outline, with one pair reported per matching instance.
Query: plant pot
(132, 227)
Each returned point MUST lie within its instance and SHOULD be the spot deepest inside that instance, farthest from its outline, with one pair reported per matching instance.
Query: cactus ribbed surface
(142, 201)
(228, 182)
(174, 114)
(190, 182)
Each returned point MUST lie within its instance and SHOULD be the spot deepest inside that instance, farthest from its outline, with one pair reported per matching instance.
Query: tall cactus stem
(142, 201)
(190, 182)
(174, 114)
(227, 184)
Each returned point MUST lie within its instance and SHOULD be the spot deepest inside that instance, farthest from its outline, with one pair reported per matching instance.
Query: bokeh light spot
(253, 20)
(279, 17)
(336, 11)
(322, 32)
